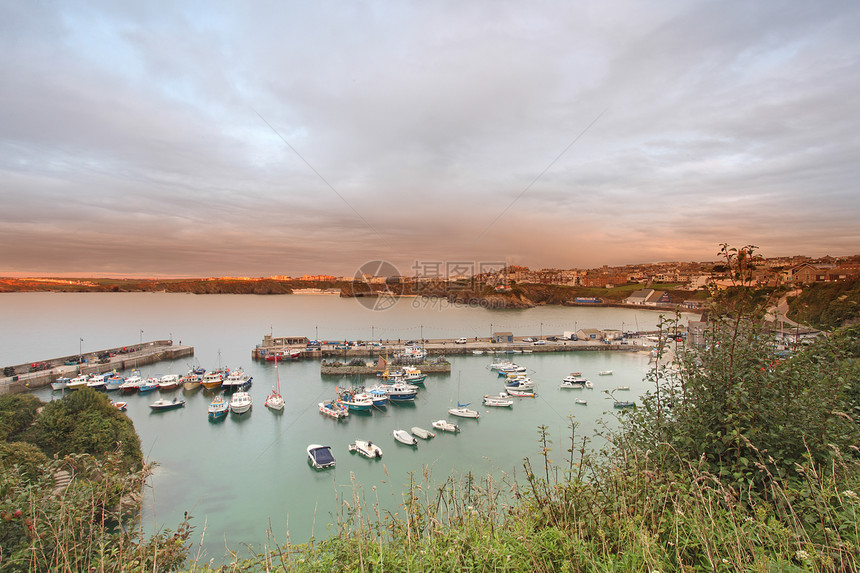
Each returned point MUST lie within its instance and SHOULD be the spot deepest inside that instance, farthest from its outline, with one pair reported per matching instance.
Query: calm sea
(245, 476)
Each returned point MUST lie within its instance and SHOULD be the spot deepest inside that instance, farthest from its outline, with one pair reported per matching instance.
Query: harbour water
(244, 476)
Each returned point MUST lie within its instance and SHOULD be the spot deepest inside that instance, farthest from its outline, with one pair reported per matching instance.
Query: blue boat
(148, 385)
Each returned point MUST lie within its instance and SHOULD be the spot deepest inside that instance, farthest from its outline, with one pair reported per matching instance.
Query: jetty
(25, 377)
(344, 350)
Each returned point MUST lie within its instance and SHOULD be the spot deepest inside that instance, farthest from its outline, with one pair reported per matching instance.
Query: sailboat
(461, 410)
(275, 401)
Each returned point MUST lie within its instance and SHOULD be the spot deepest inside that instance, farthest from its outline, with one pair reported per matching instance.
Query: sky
(287, 138)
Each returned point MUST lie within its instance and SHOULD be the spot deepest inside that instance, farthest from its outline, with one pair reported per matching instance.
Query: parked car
(539, 342)
(529, 339)
(460, 340)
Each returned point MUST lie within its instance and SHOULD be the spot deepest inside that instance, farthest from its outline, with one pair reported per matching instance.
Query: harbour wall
(120, 358)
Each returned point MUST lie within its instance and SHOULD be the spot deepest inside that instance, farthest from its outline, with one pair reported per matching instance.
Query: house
(648, 297)
(503, 337)
(589, 334)
(640, 296)
(803, 273)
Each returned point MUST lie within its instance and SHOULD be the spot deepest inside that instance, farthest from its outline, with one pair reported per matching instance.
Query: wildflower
(801, 555)
(850, 494)
(725, 560)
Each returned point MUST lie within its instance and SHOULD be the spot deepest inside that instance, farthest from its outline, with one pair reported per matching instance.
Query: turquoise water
(242, 476)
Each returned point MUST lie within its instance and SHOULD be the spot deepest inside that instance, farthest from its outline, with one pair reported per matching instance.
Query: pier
(25, 377)
(440, 347)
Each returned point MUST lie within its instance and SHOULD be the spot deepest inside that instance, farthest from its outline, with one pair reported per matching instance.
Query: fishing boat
(114, 383)
(60, 383)
(405, 437)
(445, 426)
(605, 373)
(148, 385)
(422, 433)
(624, 404)
(283, 354)
(163, 404)
(97, 381)
(168, 382)
(77, 382)
(568, 385)
(412, 375)
(191, 381)
(131, 384)
(357, 401)
(333, 409)
(581, 401)
(399, 392)
(511, 368)
(212, 380)
(274, 400)
(235, 381)
(366, 448)
(378, 396)
(240, 402)
(218, 408)
(320, 457)
(500, 401)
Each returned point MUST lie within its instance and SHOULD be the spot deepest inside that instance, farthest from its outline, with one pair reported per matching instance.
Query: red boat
(285, 354)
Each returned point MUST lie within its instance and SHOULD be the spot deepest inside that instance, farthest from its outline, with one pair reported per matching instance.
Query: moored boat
(131, 384)
(212, 380)
(97, 381)
(624, 404)
(163, 404)
(114, 383)
(422, 433)
(218, 408)
(445, 426)
(240, 402)
(569, 385)
(121, 406)
(148, 385)
(462, 411)
(320, 457)
(405, 437)
(605, 373)
(622, 387)
(524, 393)
(235, 381)
(366, 448)
(581, 401)
(275, 401)
(333, 409)
(500, 401)
(400, 392)
(191, 381)
(168, 382)
(60, 383)
(77, 382)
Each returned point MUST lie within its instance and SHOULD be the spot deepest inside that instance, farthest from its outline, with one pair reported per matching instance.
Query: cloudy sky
(260, 138)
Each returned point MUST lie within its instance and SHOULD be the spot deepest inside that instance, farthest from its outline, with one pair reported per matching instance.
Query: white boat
(114, 382)
(59, 383)
(366, 448)
(463, 412)
(521, 393)
(477, 352)
(581, 401)
(240, 402)
(405, 437)
(235, 381)
(131, 384)
(568, 385)
(500, 401)
(400, 392)
(605, 373)
(574, 378)
(163, 404)
(445, 426)
(422, 433)
(333, 409)
(97, 381)
(622, 387)
(218, 408)
(274, 400)
(168, 382)
(77, 382)
(320, 456)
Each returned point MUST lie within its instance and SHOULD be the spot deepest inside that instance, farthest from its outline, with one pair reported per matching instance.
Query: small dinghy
(605, 373)
(320, 457)
(405, 437)
(583, 402)
(445, 426)
(500, 401)
(366, 448)
(422, 433)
